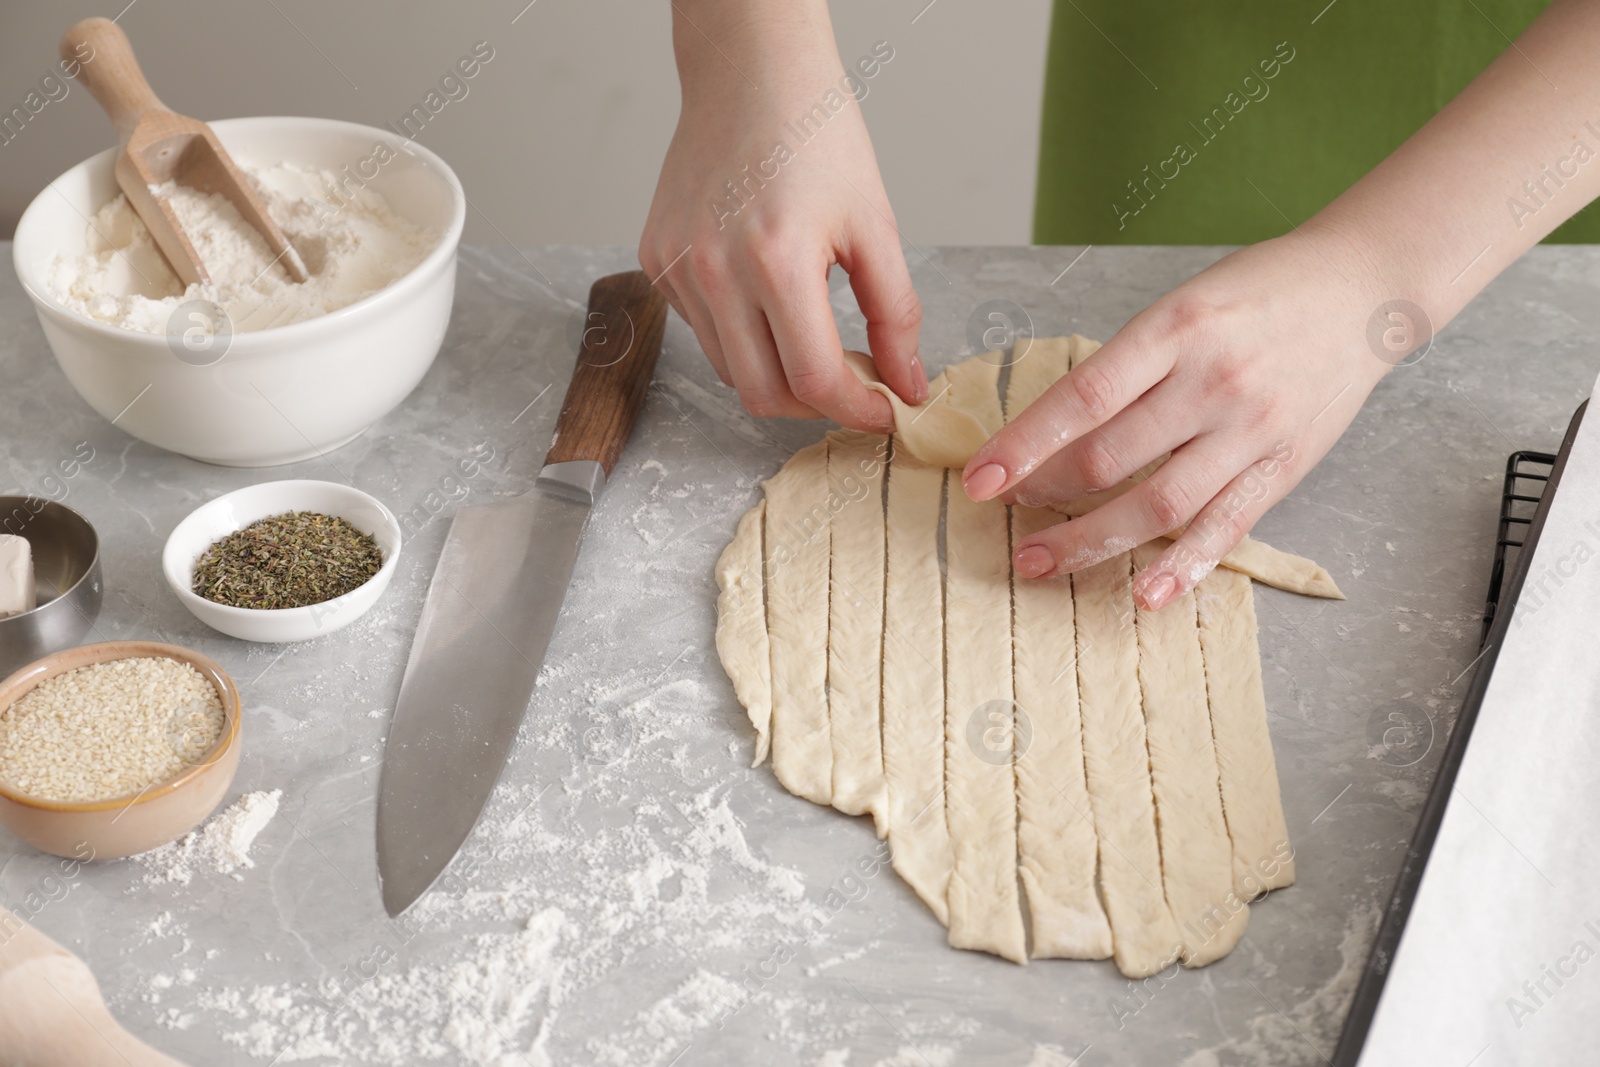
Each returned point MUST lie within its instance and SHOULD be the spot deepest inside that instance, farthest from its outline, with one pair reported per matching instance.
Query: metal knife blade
(494, 600)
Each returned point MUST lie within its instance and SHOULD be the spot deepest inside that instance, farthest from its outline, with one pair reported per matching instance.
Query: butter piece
(17, 593)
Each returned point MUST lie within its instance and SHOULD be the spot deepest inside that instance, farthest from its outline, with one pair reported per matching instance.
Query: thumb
(883, 291)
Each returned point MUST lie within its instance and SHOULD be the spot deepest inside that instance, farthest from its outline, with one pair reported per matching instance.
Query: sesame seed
(108, 729)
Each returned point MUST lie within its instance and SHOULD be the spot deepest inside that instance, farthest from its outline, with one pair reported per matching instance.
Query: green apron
(1224, 121)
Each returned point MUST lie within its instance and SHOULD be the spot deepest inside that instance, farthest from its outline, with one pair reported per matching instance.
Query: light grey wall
(560, 136)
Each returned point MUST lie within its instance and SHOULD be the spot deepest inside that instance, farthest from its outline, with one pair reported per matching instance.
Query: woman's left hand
(1247, 373)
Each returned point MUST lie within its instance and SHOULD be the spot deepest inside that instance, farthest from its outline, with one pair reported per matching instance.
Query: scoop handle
(108, 69)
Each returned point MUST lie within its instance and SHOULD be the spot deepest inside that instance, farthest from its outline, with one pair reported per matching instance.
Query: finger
(796, 303)
(1087, 397)
(742, 334)
(692, 309)
(888, 302)
(1155, 424)
(1216, 530)
(753, 360)
(1164, 502)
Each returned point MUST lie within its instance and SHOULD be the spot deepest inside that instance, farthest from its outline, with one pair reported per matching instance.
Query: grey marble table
(637, 892)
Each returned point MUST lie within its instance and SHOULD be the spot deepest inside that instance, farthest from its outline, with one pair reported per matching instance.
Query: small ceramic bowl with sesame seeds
(115, 748)
(248, 562)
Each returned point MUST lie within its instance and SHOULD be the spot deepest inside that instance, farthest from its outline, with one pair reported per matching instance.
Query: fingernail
(919, 387)
(1034, 561)
(986, 481)
(1158, 591)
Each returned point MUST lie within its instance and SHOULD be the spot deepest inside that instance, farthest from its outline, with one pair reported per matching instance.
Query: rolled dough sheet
(1133, 794)
(856, 464)
(1196, 855)
(797, 546)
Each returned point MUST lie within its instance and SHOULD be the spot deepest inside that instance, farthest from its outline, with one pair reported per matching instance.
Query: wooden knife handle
(110, 72)
(622, 333)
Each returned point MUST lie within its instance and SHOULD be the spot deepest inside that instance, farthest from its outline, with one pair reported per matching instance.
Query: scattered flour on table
(352, 246)
(919, 1056)
(221, 844)
(498, 999)
(843, 957)
(612, 885)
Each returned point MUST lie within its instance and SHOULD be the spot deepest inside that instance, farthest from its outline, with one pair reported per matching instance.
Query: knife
(494, 600)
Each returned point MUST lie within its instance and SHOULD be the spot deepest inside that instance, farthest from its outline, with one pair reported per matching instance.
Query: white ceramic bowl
(278, 395)
(234, 511)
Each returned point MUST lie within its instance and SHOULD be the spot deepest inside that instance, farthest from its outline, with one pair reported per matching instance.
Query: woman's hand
(771, 179)
(1247, 373)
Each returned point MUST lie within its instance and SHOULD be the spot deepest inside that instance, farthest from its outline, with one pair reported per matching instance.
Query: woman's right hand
(770, 180)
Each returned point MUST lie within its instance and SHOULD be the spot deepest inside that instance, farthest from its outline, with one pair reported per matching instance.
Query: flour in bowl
(350, 252)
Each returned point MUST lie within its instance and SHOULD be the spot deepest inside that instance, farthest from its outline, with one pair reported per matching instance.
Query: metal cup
(66, 564)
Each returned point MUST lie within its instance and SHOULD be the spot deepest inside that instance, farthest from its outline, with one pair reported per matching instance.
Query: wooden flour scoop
(159, 145)
(51, 1013)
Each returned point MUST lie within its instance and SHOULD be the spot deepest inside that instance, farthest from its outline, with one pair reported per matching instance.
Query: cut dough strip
(1117, 766)
(1036, 369)
(797, 545)
(1196, 854)
(913, 682)
(1279, 569)
(1056, 843)
(1262, 858)
(980, 785)
(855, 622)
(742, 625)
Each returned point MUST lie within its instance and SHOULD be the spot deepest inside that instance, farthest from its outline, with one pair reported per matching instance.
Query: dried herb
(287, 561)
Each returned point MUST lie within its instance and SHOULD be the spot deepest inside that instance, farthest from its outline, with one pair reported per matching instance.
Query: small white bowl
(274, 396)
(234, 511)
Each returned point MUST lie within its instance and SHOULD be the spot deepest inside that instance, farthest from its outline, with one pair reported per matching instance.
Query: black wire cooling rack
(1517, 508)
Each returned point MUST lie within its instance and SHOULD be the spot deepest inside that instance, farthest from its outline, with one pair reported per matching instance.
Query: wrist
(1391, 269)
(730, 52)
